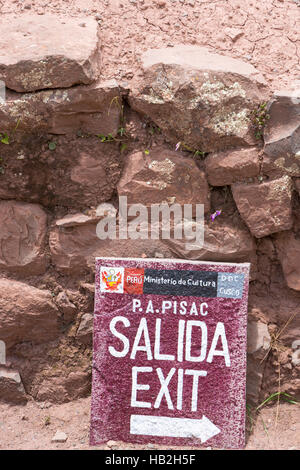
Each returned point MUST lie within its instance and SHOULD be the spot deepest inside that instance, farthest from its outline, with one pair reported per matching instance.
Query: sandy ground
(32, 427)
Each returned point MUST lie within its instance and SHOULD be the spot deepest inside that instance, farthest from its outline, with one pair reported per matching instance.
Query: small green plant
(110, 138)
(259, 118)
(47, 421)
(121, 136)
(105, 138)
(278, 396)
(123, 147)
(153, 128)
(121, 131)
(265, 427)
(195, 152)
(276, 346)
(199, 153)
(117, 101)
(4, 138)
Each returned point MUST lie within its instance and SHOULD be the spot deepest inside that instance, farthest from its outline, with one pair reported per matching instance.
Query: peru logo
(111, 279)
(134, 280)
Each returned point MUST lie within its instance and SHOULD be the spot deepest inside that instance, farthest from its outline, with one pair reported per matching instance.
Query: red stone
(27, 314)
(199, 98)
(231, 166)
(22, 237)
(267, 207)
(38, 52)
(282, 131)
(91, 109)
(288, 251)
(161, 176)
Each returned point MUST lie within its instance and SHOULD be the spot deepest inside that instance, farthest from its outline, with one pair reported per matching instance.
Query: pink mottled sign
(169, 360)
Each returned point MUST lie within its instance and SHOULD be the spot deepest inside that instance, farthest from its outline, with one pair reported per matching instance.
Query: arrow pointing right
(202, 429)
(206, 429)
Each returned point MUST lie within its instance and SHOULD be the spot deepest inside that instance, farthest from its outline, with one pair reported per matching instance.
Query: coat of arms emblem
(111, 279)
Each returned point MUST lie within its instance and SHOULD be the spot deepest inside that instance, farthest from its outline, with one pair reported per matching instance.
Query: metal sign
(169, 361)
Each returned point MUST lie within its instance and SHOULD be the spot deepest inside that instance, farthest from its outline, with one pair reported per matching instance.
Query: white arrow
(202, 429)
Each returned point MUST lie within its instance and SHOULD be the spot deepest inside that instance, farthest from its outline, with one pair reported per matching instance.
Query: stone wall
(71, 140)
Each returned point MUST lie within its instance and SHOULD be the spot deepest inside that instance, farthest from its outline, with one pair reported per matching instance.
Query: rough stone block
(163, 176)
(199, 98)
(11, 387)
(231, 166)
(22, 237)
(282, 131)
(265, 208)
(39, 52)
(27, 314)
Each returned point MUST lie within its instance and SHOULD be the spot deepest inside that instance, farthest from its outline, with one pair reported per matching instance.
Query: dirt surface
(33, 426)
(264, 34)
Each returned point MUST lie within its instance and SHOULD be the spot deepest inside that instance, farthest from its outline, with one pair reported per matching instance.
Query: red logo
(133, 280)
(111, 280)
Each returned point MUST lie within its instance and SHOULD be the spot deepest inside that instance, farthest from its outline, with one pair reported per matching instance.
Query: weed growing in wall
(260, 117)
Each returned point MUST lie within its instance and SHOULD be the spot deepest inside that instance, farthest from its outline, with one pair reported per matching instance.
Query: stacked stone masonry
(74, 141)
